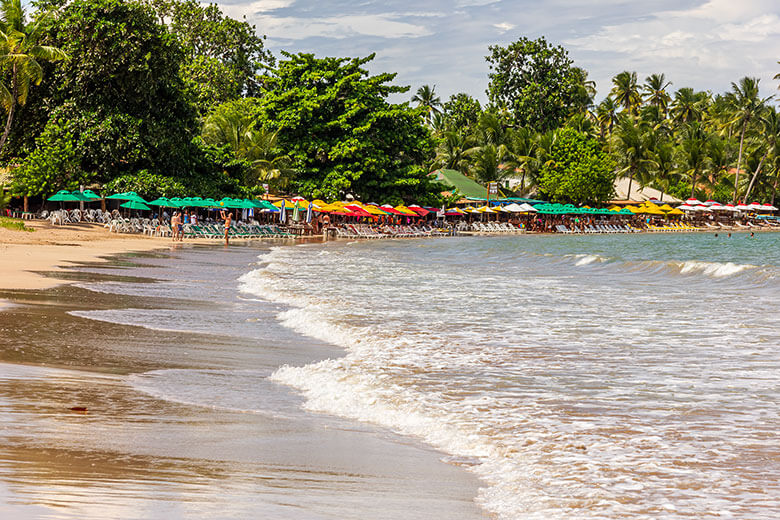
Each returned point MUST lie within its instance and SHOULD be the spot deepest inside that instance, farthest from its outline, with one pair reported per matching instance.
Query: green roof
(469, 188)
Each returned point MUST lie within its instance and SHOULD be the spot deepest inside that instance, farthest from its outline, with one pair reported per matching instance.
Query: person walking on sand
(228, 220)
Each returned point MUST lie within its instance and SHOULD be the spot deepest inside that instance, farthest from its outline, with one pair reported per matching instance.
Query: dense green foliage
(341, 133)
(223, 56)
(536, 82)
(172, 97)
(576, 169)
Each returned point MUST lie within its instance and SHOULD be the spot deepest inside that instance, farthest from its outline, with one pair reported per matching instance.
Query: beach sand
(24, 254)
(179, 423)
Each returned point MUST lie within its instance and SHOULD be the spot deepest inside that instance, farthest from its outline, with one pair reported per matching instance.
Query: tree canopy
(576, 169)
(341, 133)
(536, 82)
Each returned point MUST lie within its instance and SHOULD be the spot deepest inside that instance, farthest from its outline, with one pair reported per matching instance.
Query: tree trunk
(755, 175)
(9, 121)
(630, 181)
(26, 206)
(693, 185)
(739, 162)
(774, 188)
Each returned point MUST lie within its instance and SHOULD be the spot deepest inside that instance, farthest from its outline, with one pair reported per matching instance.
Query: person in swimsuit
(228, 221)
(175, 225)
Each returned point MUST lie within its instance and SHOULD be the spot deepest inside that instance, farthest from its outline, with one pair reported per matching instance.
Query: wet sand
(138, 453)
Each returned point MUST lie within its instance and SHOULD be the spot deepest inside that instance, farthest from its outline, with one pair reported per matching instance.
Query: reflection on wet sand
(170, 444)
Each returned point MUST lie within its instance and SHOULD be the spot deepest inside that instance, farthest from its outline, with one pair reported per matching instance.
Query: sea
(588, 377)
(610, 377)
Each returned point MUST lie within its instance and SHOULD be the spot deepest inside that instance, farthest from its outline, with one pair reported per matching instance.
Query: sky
(704, 44)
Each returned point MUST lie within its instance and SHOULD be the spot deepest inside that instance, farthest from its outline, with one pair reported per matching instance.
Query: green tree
(688, 106)
(630, 147)
(693, 153)
(21, 50)
(341, 133)
(461, 111)
(655, 91)
(223, 56)
(746, 104)
(576, 169)
(662, 168)
(427, 99)
(536, 82)
(626, 91)
(607, 115)
(770, 133)
(453, 150)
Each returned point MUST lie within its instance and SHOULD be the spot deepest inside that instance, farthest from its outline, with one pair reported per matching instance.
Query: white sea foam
(557, 388)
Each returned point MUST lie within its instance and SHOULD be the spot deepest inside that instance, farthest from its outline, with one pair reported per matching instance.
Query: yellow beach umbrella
(633, 209)
(406, 211)
(666, 207)
(676, 211)
(485, 209)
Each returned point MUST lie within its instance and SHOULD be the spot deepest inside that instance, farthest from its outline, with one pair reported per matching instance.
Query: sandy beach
(49, 247)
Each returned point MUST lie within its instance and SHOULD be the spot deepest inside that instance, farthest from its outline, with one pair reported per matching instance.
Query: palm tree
(20, 51)
(487, 163)
(693, 153)
(454, 150)
(688, 106)
(745, 105)
(770, 132)
(258, 146)
(662, 167)
(426, 97)
(630, 144)
(607, 115)
(655, 91)
(626, 91)
(777, 76)
(521, 149)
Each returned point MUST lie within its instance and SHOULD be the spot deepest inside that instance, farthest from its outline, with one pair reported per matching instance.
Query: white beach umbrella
(730, 207)
(514, 208)
(693, 201)
(717, 206)
(709, 202)
(686, 207)
(527, 207)
(768, 207)
(702, 207)
(755, 206)
(743, 207)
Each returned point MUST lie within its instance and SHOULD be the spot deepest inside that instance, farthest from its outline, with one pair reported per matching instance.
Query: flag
(283, 213)
(308, 212)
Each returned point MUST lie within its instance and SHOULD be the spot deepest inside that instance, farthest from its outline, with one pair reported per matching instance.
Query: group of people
(178, 220)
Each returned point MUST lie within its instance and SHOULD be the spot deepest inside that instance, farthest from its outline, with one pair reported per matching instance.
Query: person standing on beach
(175, 219)
(228, 220)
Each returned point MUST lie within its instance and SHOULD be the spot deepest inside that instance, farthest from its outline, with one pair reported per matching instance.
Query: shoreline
(381, 464)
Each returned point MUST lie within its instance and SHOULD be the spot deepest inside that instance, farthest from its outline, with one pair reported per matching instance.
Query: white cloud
(504, 26)
(249, 9)
(296, 28)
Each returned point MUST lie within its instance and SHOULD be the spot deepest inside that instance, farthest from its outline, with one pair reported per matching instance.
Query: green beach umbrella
(128, 195)
(162, 201)
(210, 203)
(64, 196)
(134, 204)
(177, 201)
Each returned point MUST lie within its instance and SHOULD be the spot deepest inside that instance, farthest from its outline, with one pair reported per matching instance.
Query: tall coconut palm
(662, 170)
(655, 91)
(746, 104)
(426, 97)
(487, 163)
(688, 106)
(770, 133)
(20, 54)
(522, 147)
(626, 91)
(607, 115)
(630, 144)
(693, 157)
